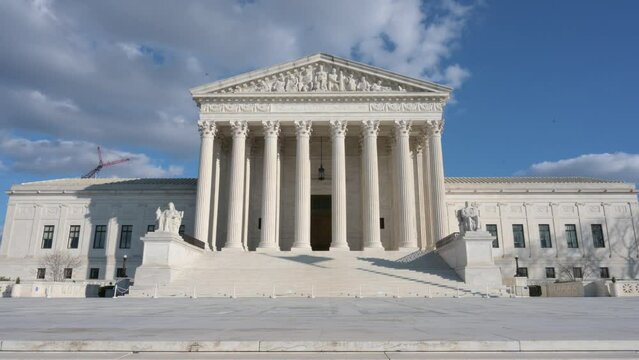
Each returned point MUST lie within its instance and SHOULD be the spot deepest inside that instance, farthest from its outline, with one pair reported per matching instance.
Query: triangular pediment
(320, 73)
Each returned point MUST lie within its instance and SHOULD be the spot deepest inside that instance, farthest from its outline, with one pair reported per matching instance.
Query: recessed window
(492, 229)
(68, 273)
(181, 230)
(522, 271)
(571, 236)
(518, 236)
(577, 273)
(150, 228)
(94, 273)
(550, 272)
(47, 237)
(604, 273)
(597, 236)
(126, 231)
(544, 236)
(99, 237)
(74, 236)
(381, 223)
(41, 273)
(259, 223)
(120, 273)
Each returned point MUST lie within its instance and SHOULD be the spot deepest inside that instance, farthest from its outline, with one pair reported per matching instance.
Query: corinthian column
(370, 185)
(236, 186)
(303, 187)
(338, 132)
(268, 238)
(406, 191)
(427, 190)
(434, 130)
(203, 201)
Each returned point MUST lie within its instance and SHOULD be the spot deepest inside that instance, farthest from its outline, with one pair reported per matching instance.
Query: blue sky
(542, 87)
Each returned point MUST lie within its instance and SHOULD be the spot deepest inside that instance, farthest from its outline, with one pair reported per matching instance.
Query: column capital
(370, 128)
(338, 127)
(239, 128)
(207, 128)
(402, 127)
(434, 127)
(271, 127)
(304, 127)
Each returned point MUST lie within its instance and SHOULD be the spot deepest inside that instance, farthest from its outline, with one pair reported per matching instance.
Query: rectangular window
(522, 271)
(99, 237)
(381, 223)
(518, 236)
(181, 230)
(571, 236)
(544, 236)
(603, 273)
(597, 236)
(120, 273)
(125, 236)
(577, 273)
(68, 273)
(74, 236)
(41, 273)
(550, 272)
(94, 273)
(259, 223)
(150, 228)
(47, 237)
(492, 229)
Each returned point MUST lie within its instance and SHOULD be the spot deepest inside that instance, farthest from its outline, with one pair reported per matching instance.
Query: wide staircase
(315, 274)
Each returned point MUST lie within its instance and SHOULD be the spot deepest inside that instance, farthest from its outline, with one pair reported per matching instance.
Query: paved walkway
(287, 324)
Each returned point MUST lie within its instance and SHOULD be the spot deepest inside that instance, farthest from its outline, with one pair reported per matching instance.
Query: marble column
(236, 186)
(370, 175)
(406, 186)
(438, 190)
(303, 187)
(338, 133)
(427, 190)
(204, 181)
(268, 239)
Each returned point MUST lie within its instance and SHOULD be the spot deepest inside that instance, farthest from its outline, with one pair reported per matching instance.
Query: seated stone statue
(169, 220)
(468, 218)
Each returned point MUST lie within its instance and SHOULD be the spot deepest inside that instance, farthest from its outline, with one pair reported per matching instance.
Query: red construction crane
(93, 173)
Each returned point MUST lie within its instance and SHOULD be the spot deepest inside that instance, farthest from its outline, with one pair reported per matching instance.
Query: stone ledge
(319, 346)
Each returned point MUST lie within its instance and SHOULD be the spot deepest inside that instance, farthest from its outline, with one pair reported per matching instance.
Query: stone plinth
(165, 255)
(470, 255)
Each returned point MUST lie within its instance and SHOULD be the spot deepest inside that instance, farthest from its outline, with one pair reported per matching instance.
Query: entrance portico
(265, 134)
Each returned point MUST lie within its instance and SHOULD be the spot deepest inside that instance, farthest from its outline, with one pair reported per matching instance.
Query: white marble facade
(377, 135)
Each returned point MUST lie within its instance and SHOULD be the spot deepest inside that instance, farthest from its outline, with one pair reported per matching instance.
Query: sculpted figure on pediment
(351, 83)
(363, 84)
(307, 79)
(262, 86)
(291, 82)
(333, 81)
(280, 84)
(321, 79)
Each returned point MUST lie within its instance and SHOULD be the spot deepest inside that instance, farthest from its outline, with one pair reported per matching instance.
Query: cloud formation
(615, 166)
(47, 157)
(117, 73)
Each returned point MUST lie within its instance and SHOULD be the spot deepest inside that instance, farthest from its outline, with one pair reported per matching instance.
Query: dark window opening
(68, 273)
(41, 273)
(126, 231)
(74, 236)
(544, 236)
(94, 273)
(518, 236)
(99, 237)
(381, 223)
(550, 272)
(492, 229)
(47, 237)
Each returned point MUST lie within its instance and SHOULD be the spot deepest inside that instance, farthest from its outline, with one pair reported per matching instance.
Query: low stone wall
(55, 290)
(624, 288)
(565, 289)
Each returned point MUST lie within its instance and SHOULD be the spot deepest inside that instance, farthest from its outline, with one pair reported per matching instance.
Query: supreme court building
(322, 161)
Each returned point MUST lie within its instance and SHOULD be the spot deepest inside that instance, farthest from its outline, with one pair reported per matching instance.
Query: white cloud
(616, 166)
(75, 158)
(93, 71)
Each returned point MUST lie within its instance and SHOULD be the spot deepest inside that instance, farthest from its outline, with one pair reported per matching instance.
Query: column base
(340, 248)
(374, 248)
(301, 249)
(409, 248)
(232, 249)
(267, 250)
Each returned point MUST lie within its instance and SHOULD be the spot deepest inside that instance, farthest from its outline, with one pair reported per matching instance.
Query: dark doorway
(320, 222)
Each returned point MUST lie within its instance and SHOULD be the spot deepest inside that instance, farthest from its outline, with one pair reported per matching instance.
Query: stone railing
(624, 288)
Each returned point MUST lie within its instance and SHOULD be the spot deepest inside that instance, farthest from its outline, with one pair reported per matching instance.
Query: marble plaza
(324, 177)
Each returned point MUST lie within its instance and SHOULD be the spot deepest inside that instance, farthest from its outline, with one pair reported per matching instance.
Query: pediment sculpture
(468, 218)
(316, 77)
(169, 220)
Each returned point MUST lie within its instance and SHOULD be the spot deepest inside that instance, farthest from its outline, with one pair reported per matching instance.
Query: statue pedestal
(165, 255)
(470, 255)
